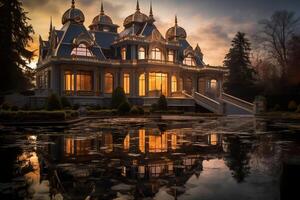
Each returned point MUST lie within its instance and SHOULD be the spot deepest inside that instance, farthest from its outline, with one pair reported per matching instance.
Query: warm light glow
(213, 84)
(158, 143)
(189, 60)
(213, 139)
(84, 81)
(108, 83)
(141, 53)
(123, 53)
(158, 81)
(127, 142)
(81, 50)
(142, 138)
(69, 81)
(142, 87)
(126, 83)
(174, 84)
(108, 142)
(180, 86)
(156, 54)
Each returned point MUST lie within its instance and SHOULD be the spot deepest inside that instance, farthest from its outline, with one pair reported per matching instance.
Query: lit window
(69, 81)
(156, 54)
(81, 50)
(142, 87)
(213, 84)
(84, 81)
(108, 83)
(171, 56)
(174, 84)
(123, 53)
(141, 53)
(142, 140)
(126, 83)
(189, 60)
(158, 81)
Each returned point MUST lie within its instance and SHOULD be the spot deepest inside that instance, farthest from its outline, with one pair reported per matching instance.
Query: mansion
(87, 64)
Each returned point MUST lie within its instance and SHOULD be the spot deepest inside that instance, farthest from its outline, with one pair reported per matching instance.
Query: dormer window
(123, 53)
(141, 53)
(171, 56)
(156, 54)
(81, 50)
(189, 60)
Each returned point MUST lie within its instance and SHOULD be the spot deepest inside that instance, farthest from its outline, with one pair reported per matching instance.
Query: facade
(88, 64)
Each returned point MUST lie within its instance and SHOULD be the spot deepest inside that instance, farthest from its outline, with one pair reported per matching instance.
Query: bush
(118, 97)
(53, 103)
(124, 108)
(5, 106)
(154, 107)
(65, 103)
(75, 106)
(162, 103)
(141, 110)
(134, 110)
(292, 105)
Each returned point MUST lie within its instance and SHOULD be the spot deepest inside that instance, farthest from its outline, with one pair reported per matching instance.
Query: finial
(73, 4)
(151, 12)
(50, 28)
(176, 20)
(137, 5)
(102, 8)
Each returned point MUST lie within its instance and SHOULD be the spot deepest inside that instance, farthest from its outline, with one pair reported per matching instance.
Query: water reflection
(174, 161)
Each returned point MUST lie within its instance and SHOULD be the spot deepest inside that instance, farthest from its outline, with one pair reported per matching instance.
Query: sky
(210, 23)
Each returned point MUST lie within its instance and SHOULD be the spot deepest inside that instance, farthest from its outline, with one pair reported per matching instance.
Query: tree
(15, 34)
(118, 97)
(275, 34)
(240, 81)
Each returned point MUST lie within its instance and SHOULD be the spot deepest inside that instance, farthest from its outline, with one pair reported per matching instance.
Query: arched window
(174, 84)
(142, 88)
(108, 83)
(81, 50)
(213, 84)
(156, 54)
(123, 53)
(126, 83)
(171, 56)
(189, 60)
(141, 53)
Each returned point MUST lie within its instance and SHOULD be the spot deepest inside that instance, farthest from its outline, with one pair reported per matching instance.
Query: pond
(141, 158)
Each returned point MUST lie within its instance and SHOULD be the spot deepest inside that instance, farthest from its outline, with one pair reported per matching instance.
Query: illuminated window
(141, 53)
(213, 84)
(81, 50)
(142, 139)
(127, 142)
(69, 81)
(123, 53)
(156, 54)
(158, 81)
(84, 81)
(189, 60)
(174, 84)
(108, 83)
(171, 56)
(142, 88)
(126, 83)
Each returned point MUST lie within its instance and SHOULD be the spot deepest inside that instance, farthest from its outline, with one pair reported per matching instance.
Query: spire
(176, 20)
(73, 4)
(137, 5)
(151, 12)
(50, 28)
(102, 9)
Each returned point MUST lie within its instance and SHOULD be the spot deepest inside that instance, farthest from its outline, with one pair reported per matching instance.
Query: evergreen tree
(240, 81)
(15, 34)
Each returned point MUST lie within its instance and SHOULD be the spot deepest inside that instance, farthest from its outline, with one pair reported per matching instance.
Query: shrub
(118, 97)
(65, 103)
(134, 110)
(154, 107)
(292, 105)
(162, 103)
(75, 106)
(5, 106)
(124, 108)
(53, 103)
(141, 110)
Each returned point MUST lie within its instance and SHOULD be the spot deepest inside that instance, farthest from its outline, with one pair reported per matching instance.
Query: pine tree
(15, 35)
(240, 81)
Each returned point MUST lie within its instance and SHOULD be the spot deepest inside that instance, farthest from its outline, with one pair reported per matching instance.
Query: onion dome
(102, 18)
(73, 15)
(176, 32)
(137, 17)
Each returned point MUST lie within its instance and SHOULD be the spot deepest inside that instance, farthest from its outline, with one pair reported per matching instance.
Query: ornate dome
(102, 18)
(176, 32)
(73, 14)
(136, 17)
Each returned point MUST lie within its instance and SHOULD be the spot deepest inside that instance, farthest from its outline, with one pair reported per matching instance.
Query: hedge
(32, 116)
